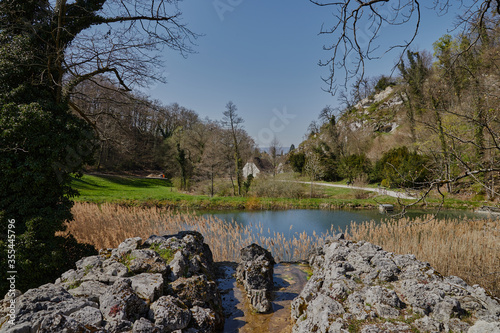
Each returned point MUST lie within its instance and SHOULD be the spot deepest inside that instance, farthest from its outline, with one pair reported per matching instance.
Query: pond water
(290, 222)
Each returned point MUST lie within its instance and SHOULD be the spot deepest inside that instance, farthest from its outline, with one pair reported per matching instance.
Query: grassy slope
(120, 188)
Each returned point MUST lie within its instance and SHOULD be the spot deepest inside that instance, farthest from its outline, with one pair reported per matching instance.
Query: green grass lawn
(160, 192)
(147, 191)
(122, 188)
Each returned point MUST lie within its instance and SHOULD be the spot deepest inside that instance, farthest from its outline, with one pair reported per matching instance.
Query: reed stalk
(466, 248)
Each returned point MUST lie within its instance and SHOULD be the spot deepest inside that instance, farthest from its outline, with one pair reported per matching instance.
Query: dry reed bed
(469, 249)
(107, 225)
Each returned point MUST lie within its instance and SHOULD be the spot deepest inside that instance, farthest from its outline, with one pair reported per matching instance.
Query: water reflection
(290, 222)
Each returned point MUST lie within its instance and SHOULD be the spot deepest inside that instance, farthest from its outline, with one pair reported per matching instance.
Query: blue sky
(263, 55)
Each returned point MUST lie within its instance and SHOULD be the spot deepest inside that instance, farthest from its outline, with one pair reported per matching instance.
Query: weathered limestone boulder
(163, 284)
(170, 313)
(359, 287)
(199, 292)
(255, 272)
(39, 309)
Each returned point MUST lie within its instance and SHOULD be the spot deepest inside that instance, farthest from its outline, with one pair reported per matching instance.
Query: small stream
(289, 280)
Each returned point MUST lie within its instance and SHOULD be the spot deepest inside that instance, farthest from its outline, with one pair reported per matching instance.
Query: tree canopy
(47, 50)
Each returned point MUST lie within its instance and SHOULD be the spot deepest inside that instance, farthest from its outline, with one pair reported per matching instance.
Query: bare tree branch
(359, 23)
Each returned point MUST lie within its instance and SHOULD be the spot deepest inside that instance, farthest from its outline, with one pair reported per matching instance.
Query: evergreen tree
(42, 143)
(44, 56)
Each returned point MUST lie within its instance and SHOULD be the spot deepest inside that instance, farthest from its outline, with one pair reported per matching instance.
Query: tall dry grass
(468, 249)
(107, 225)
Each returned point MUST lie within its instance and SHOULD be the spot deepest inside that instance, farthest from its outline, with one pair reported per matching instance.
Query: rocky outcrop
(164, 284)
(358, 287)
(255, 272)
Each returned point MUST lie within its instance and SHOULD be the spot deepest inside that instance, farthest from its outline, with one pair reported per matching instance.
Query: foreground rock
(358, 287)
(255, 272)
(163, 284)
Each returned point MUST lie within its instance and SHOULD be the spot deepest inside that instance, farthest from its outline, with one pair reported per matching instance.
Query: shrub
(354, 166)
(222, 188)
(383, 83)
(267, 187)
(297, 161)
(401, 168)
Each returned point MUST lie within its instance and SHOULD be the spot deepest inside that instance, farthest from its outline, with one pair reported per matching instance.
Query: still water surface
(289, 222)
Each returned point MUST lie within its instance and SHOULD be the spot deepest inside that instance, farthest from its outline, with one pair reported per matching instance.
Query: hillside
(414, 134)
(376, 124)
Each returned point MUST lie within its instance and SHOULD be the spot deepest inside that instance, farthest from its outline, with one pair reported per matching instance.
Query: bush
(401, 168)
(297, 161)
(222, 188)
(383, 83)
(268, 187)
(354, 166)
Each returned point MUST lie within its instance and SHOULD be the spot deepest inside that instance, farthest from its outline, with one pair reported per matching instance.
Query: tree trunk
(444, 147)
(212, 179)
(312, 180)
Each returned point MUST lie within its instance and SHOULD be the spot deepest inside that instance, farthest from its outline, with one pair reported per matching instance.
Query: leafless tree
(313, 168)
(232, 121)
(358, 24)
(212, 161)
(274, 153)
(116, 44)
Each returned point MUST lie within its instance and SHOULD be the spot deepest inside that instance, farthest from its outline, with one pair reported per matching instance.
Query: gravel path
(381, 191)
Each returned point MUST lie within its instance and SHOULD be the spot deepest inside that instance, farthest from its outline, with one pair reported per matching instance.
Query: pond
(296, 221)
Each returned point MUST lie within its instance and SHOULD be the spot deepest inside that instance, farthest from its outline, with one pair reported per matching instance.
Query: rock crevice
(162, 284)
(358, 287)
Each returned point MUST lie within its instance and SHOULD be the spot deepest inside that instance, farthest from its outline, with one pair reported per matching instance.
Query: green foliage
(328, 161)
(167, 253)
(383, 83)
(184, 165)
(354, 166)
(126, 260)
(297, 161)
(42, 143)
(40, 149)
(401, 168)
(414, 72)
(247, 183)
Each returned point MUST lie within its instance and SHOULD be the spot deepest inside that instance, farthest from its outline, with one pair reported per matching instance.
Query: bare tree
(114, 41)
(358, 24)
(327, 115)
(313, 168)
(212, 161)
(232, 121)
(274, 153)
